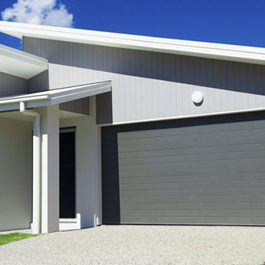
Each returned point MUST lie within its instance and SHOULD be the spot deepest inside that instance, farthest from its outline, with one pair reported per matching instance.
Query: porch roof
(55, 96)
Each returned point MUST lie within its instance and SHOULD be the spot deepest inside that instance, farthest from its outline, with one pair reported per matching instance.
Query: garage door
(196, 171)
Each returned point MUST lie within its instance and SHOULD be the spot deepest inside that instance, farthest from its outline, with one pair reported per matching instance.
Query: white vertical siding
(148, 85)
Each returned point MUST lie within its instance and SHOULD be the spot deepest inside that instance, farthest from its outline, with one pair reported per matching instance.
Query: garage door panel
(187, 199)
(192, 157)
(193, 192)
(187, 139)
(188, 171)
(193, 220)
(194, 185)
(200, 171)
(190, 144)
(192, 206)
(205, 129)
(246, 147)
(187, 178)
(193, 213)
(217, 165)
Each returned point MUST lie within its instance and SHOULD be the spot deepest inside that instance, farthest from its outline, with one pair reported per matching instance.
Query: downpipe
(36, 226)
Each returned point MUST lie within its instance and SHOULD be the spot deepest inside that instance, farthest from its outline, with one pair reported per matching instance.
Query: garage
(208, 170)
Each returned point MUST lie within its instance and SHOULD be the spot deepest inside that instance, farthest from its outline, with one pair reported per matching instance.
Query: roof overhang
(54, 97)
(21, 64)
(191, 48)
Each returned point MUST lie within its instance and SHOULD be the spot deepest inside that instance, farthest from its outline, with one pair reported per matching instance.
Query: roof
(56, 96)
(172, 46)
(20, 63)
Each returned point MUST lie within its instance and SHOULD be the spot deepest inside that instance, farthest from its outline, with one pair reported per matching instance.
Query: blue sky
(239, 22)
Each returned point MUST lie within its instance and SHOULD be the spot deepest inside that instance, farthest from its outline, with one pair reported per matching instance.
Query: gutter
(36, 167)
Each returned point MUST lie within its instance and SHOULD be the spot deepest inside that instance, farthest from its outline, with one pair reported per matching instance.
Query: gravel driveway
(125, 245)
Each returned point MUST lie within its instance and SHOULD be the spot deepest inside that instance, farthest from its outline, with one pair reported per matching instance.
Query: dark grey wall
(149, 85)
(12, 85)
(39, 82)
(80, 106)
(104, 108)
(195, 171)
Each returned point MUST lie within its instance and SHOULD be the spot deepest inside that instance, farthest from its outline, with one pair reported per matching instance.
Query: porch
(30, 175)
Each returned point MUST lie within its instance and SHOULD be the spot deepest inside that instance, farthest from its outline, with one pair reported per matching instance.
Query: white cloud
(42, 12)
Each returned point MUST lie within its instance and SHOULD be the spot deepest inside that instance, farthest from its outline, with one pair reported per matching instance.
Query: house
(103, 128)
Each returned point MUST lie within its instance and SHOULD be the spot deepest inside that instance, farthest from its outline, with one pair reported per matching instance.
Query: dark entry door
(67, 174)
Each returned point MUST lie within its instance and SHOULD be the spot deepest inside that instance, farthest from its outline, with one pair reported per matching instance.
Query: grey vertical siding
(12, 85)
(149, 85)
(80, 106)
(195, 171)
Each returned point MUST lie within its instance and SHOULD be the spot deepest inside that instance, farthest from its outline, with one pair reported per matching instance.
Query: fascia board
(49, 98)
(67, 98)
(198, 49)
(66, 91)
(10, 107)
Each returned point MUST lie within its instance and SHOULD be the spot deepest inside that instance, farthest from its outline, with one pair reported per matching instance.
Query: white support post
(50, 168)
(36, 167)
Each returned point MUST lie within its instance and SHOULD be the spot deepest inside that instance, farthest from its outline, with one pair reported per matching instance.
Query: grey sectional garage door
(197, 171)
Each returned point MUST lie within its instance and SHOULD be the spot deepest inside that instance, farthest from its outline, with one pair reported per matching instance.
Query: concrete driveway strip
(122, 245)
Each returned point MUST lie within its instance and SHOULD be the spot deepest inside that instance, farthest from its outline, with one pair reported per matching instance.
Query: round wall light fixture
(197, 97)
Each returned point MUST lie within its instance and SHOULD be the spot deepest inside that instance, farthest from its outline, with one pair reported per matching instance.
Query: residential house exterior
(104, 128)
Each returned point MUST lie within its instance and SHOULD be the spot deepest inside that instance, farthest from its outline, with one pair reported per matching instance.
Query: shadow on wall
(233, 76)
(38, 83)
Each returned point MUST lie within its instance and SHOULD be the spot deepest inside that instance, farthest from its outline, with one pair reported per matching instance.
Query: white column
(50, 168)
(88, 169)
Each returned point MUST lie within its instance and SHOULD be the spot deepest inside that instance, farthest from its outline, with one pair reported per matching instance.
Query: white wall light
(197, 97)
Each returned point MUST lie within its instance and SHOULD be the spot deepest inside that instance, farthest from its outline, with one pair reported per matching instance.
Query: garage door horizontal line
(229, 175)
(181, 131)
(176, 130)
(193, 164)
(202, 144)
(240, 133)
(190, 151)
(188, 189)
(182, 171)
(211, 123)
(191, 209)
(185, 182)
(186, 199)
(223, 135)
(210, 193)
(210, 158)
(197, 212)
(209, 144)
(192, 130)
(203, 181)
(192, 154)
(260, 203)
(215, 144)
(190, 217)
(186, 174)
